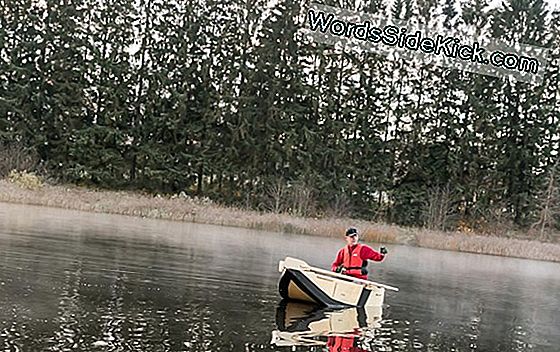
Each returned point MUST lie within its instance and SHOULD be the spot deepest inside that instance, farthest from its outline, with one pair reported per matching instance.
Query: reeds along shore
(203, 211)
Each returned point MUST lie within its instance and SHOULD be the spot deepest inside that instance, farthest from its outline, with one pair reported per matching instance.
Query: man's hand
(383, 250)
(341, 269)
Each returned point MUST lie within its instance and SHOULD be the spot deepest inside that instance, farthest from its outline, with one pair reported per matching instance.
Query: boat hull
(300, 282)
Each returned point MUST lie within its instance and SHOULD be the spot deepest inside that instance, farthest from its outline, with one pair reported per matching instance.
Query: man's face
(352, 240)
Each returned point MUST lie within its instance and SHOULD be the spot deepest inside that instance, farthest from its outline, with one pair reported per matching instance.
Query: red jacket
(366, 253)
(343, 344)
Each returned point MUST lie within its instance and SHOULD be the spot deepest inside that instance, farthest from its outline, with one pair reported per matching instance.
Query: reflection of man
(344, 344)
(352, 259)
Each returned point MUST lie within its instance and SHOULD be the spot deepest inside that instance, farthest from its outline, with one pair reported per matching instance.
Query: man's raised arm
(371, 254)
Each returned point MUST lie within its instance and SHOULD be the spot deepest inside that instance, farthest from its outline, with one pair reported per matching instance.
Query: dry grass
(25, 179)
(183, 208)
(502, 246)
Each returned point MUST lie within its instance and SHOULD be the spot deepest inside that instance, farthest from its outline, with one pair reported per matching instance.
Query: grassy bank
(203, 211)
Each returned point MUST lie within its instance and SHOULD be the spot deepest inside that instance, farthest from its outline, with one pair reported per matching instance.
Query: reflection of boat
(302, 282)
(300, 324)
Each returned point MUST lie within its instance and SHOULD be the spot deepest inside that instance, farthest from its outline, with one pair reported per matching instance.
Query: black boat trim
(309, 288)
(363, 297)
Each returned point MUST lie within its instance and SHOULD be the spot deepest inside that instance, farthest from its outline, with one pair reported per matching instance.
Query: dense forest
(227, 100)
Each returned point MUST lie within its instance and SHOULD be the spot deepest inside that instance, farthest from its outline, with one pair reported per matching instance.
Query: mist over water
(73, 281)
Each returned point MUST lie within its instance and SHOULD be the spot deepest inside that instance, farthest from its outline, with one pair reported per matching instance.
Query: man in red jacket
(352, 259)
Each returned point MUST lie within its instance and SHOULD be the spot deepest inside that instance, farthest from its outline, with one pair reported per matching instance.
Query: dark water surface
(72, 281)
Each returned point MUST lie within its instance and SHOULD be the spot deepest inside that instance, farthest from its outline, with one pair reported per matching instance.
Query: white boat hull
(301, 282)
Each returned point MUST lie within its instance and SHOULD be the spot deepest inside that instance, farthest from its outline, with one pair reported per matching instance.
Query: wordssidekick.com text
(398, 37)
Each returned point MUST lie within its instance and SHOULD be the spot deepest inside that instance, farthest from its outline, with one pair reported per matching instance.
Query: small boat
(302, 282)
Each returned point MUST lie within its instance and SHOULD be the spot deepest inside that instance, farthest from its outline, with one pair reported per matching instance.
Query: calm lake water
(73, 281)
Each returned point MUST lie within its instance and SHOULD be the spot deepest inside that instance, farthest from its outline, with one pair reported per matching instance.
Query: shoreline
(179, 208)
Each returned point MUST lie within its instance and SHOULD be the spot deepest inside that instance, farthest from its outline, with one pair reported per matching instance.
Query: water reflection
(351, 329)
